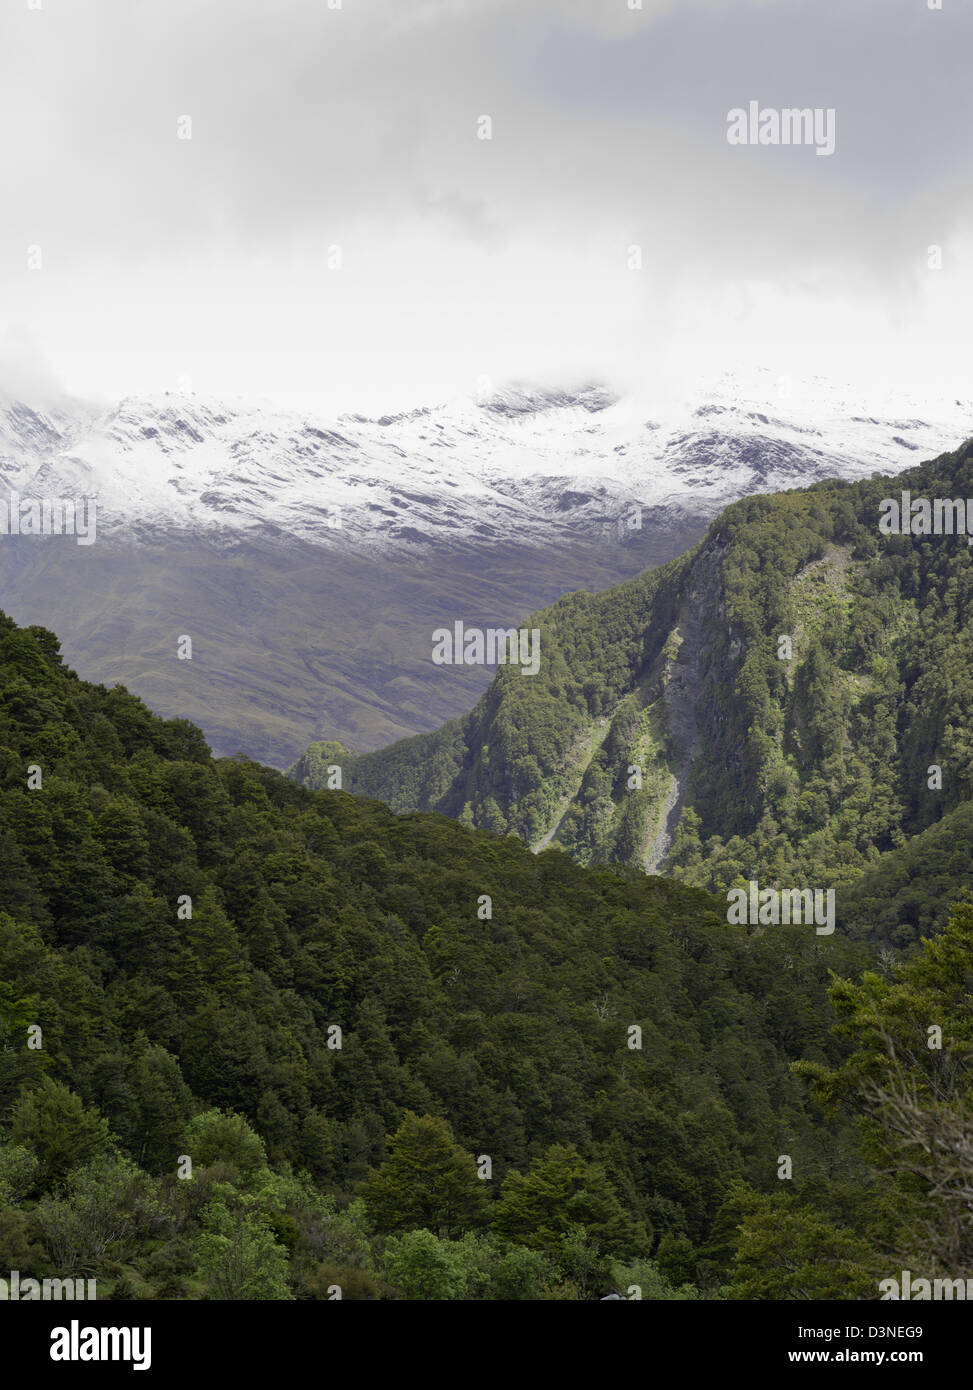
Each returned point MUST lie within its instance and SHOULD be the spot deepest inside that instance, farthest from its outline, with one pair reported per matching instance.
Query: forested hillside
(790, 702)
(259, 1041)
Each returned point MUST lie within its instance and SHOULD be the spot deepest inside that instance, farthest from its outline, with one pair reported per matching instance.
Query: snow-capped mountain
(310, 559)
(521, 465)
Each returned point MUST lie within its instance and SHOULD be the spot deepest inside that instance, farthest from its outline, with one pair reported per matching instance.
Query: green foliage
(911, 1076)
(809, 770)
(334, 985)
(52, 1122)
(427, 1180)
(20, 1170)
(789, 1251)
(213, 1137)
(676, 1259)
(564, 1207)
(423, 1266)
(107, 1211)
(420, 1265)
(237, 1255)
(644, 1280)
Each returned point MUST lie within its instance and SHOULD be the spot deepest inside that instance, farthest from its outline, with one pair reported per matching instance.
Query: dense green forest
(790, 702)
(258, 1041)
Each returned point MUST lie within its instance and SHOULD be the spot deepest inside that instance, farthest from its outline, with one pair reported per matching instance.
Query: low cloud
(314, 127)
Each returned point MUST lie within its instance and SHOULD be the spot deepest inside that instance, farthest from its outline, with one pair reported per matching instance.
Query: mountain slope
(310, 559)
(802, 770)
(309, 912)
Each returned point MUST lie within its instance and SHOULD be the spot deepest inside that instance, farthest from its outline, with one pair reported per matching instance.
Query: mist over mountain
(309, 560)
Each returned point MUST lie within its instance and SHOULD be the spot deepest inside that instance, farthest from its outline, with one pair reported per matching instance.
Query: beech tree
(53, 1122)
(427, 1181)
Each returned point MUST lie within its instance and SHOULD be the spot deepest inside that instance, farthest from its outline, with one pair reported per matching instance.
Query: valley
(310, 559)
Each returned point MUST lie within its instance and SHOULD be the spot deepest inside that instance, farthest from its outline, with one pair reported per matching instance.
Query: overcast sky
(356, 127)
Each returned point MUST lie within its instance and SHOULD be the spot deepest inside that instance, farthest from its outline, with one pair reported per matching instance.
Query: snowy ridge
(523, 464)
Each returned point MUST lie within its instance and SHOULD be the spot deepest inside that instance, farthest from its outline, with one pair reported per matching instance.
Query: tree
(140, 1087)
(423, 1266)
(428, 1180)
(214, 943)
(645, 1277)
(786, 1251)
(53, 1122)
(676, 1258)
(107, 1211)
(19, 1168)
(215, 1137)
(237, 1255)
(124, 842)
(562, 1192)
(911, 1076)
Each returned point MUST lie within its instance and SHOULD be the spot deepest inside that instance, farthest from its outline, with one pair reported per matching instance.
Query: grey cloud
(306, 116)
(313, 125)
